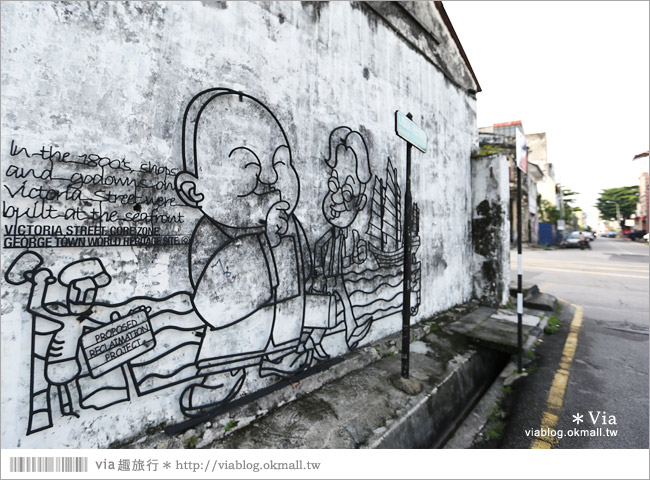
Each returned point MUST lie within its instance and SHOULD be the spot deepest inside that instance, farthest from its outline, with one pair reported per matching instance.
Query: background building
(539, 178)
(641, 220)
(537, 154)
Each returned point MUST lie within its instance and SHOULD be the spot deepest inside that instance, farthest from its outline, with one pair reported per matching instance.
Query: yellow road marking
(539, 443)
(558, 387)
(606, 264)
(587, 272)
(578, 265)
(556, 393)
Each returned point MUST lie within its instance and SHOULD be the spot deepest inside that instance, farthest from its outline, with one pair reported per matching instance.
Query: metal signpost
(522, 164)
(414, 136)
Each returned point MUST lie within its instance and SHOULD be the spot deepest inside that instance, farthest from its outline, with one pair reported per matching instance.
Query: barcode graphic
(48, 464)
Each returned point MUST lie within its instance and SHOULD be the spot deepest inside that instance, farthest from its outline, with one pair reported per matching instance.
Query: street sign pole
(520, 294)
(522, 164)
(406, 284)
(414, 137)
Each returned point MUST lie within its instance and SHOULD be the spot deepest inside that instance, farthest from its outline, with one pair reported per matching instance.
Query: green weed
(191, 442)
(495, 430)
(495, 414)
(553, 324)
(486, 150)
(230, 425)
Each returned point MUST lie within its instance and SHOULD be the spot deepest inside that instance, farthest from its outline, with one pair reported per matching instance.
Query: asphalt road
(609, 371)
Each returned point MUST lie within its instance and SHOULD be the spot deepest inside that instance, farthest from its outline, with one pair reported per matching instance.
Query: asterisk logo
(167, 465)
(577, 418)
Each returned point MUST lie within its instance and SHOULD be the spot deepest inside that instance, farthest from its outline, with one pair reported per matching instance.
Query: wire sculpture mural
(261, 302)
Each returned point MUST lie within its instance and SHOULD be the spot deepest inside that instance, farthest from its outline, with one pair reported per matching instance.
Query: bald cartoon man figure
(249, 257)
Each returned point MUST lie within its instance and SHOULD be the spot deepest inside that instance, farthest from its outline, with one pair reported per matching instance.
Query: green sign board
(410, 132)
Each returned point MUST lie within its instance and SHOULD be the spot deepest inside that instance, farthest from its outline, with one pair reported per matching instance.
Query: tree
(568, 197)
(547, 211)
(572, 216)
(626, 197)
(550, 213)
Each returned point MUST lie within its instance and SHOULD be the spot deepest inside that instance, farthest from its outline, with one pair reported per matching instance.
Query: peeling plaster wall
(94, 96)
(490, 227)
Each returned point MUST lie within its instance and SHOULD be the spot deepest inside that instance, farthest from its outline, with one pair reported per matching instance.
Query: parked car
(571, 241)
(589, 236)
(645, 237)
(636, 235)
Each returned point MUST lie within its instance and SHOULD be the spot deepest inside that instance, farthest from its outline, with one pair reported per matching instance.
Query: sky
(575, 70)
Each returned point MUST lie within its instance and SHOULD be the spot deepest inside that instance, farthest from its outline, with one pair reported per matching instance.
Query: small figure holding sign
(62, 322)
(60, 328)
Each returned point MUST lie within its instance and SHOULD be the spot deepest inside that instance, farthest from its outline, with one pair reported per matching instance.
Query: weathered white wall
(490, 228)
(114, 79)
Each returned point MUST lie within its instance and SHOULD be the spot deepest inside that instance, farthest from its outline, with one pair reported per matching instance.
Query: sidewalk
(362, 401)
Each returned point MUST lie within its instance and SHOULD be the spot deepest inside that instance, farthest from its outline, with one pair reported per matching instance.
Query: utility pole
(618, 211)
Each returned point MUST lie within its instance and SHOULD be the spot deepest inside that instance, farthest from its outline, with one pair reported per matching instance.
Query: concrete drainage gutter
(430, 422)
(469, 432)
(356, 403)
